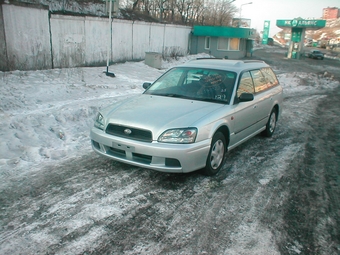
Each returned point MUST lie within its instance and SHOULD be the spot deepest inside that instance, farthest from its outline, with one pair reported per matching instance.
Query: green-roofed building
(222, 42)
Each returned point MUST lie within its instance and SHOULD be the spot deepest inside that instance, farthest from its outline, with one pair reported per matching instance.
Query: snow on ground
(46, 118)
(46, 115)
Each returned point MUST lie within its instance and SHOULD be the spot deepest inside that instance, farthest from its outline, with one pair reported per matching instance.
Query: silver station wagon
(191, 116)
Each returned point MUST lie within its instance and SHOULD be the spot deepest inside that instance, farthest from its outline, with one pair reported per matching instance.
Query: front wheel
(271, 124)
(216, 155)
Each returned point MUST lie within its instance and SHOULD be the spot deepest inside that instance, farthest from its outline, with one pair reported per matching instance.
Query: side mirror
(146, 85)
(246, 97)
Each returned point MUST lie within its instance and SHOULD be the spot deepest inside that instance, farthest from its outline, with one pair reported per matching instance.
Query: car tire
(216, 155)
(271, 124)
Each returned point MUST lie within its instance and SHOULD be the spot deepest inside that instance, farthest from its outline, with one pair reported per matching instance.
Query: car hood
(159, 113)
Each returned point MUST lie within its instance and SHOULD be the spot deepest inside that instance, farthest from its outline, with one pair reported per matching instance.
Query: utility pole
(109, 42)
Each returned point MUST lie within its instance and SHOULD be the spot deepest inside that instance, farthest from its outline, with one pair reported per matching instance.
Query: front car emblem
(127, 131)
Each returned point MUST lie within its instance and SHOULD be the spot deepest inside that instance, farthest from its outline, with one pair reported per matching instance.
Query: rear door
(246, 114)
(266, 89)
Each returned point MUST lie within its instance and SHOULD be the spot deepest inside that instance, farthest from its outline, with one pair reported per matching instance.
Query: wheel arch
(278, 111)
(225, 131)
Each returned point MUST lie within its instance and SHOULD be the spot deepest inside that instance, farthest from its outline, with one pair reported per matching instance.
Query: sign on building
(265, 34)
(301, 23)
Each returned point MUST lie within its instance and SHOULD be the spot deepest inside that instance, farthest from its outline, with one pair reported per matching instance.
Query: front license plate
(123, 147)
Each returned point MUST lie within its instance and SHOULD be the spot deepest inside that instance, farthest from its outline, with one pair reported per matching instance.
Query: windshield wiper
(172, 95)
(213, 100)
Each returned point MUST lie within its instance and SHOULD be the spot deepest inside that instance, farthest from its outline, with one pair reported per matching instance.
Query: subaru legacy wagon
(191, 116)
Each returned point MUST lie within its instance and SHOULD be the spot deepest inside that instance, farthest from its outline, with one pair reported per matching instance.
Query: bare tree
(202, 12)
(226, 12)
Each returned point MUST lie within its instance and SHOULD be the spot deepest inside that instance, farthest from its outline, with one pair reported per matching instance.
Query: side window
(222, 43)
(259, 80)
(228, 43)
(207, 43)
(234, 44)
(246, 84)
(269, 76)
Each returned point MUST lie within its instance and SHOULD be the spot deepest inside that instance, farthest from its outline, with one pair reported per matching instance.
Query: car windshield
(196, 84)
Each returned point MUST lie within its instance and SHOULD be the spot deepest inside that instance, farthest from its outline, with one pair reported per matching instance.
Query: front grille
(145, 159)
(116, 152)
(136, 134)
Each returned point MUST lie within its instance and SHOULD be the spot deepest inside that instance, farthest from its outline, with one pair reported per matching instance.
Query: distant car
(316, 54)
(270, 42)
(190, 116)
(308, 44)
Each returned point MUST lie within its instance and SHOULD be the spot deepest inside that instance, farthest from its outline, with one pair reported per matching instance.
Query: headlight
(99, 122)
(179, 135)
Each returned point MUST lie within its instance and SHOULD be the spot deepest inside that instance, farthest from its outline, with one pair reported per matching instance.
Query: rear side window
(270, 76)
(258, 79)
(255, 81)
(264, 79)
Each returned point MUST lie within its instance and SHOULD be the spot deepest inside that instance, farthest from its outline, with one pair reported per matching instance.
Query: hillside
(331, 31)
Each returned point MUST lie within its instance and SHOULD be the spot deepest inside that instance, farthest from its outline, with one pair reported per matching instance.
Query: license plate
(123, 147)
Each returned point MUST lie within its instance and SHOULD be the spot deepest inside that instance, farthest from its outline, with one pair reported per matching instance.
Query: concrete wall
(157, 31)
(122, 36)
(140, 39)
(27, 37)
(68, 41)
(173, 37)
(96, 37)
(3, 51)
(35, 39)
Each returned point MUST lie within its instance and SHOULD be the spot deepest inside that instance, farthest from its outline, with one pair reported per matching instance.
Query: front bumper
(164, 157)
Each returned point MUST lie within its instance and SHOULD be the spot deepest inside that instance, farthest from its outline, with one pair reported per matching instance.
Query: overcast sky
(272, 10)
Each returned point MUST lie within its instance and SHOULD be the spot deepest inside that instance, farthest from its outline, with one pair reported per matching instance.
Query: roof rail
(243, 61)
(207, 58)
(253, 61)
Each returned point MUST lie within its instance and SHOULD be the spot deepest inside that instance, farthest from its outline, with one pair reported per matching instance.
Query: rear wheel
(271, 124)
(216, 155)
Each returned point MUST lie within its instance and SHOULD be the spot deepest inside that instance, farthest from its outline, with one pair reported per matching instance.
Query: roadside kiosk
(298, 30)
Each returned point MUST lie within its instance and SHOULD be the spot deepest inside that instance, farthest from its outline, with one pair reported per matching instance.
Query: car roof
(225, 64)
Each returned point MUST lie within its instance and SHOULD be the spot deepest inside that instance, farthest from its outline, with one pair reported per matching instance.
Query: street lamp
(239, 24)
(241, 8)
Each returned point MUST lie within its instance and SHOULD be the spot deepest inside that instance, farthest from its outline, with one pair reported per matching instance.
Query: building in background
(330, 13)
(222, 42)
(237, 22)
